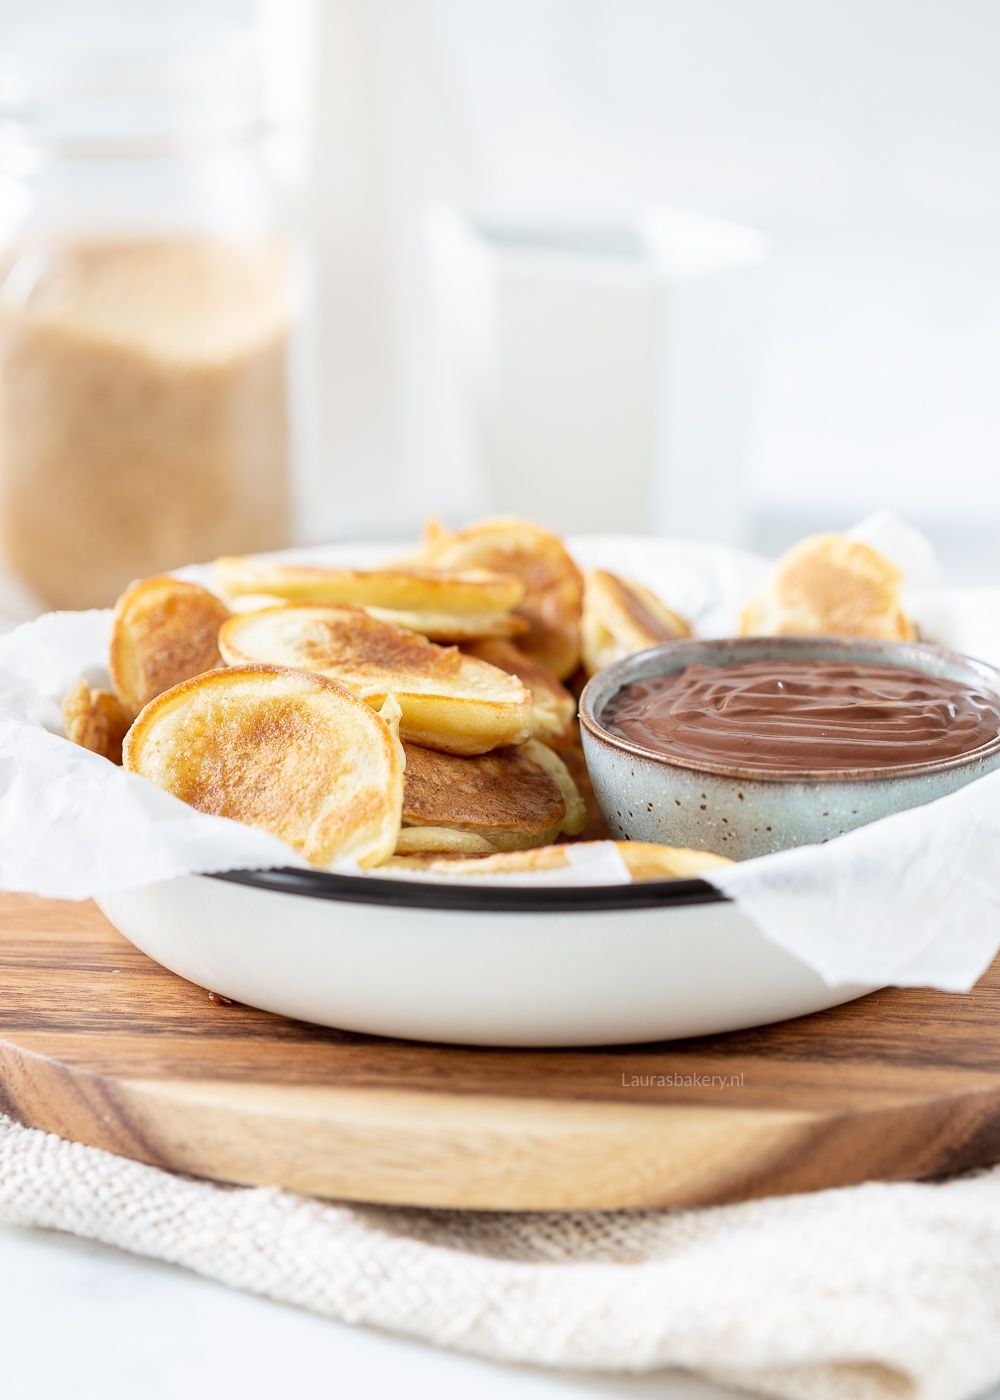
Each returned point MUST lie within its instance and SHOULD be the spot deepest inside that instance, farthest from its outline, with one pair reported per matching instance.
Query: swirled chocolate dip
(806, 715)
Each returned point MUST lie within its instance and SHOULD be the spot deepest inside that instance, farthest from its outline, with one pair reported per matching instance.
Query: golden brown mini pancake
(444, 605)
(622, 617)
(290, 752)
(449, 701)
(830, 585)
(454, 627)
(553, 707)
(95, 720)
(164, 631)
(512, 797)
(645, 861)
(553, 586)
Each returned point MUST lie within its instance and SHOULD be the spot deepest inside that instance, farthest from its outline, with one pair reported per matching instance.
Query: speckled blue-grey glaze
(648, 797)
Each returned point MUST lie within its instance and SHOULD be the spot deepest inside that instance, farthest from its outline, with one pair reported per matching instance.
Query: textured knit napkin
(859, 1294)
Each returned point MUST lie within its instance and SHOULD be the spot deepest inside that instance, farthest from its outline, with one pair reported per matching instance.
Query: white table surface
(81, 1321)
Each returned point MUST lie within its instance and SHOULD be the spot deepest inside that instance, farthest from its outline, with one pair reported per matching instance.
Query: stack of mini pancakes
(422, 713)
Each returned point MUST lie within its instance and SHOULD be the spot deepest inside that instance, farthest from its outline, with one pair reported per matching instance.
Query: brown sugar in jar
(143, 409)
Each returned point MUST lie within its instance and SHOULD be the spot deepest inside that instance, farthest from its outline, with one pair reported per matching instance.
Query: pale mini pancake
(437, 841)
(576, 811)
(570, 750)
(622, 617)
(95, 720)
(164, 631)
(445, 605)
(553, 585)
(512, 798)
(553, 706)
(449, 701)
(409, 589)
(292, 753)
(829, 585)
(645, 861)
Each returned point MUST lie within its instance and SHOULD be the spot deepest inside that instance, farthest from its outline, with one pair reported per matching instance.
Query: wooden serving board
(99, 1044)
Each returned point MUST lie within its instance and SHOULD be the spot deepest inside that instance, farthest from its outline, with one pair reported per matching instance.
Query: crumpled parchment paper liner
(911, 900)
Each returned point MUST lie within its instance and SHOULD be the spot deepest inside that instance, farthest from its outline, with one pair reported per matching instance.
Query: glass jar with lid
(144, 312)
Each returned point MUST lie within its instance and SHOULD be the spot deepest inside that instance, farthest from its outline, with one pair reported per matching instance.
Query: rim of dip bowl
(672, 657)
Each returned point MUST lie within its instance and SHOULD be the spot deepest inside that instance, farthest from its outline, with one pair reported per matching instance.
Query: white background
(863, 136)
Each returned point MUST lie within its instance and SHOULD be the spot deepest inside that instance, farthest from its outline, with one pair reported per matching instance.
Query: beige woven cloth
(860, 1294)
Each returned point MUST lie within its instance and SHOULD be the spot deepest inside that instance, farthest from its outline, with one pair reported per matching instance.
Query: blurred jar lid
(144, 82)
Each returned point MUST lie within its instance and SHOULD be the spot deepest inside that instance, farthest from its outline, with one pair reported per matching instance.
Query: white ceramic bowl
(509, 965)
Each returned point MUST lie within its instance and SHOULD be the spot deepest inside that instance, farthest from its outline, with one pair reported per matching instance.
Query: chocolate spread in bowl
(806, 715)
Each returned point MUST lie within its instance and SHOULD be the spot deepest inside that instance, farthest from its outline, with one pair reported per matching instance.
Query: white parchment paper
(911, 900)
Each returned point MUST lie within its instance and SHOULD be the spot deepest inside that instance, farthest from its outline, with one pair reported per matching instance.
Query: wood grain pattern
(100, 1044)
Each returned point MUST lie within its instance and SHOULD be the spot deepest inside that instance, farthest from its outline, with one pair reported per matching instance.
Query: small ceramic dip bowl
(743, 808)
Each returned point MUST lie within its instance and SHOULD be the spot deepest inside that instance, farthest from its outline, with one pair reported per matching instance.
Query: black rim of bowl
(465, 898)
